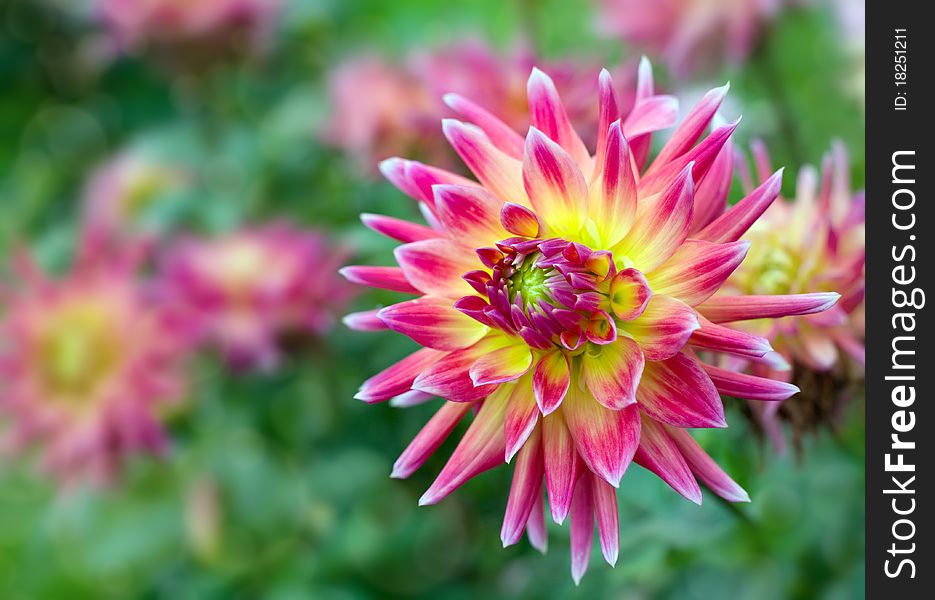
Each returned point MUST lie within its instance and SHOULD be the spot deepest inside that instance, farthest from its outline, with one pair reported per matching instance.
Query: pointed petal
(561, 464)
(449, 378)
(612, 372)
(608, 112)
(725, 309)
(749, 387)
(548, 116)
(501, 135)
(712, 192)
(651, 115)
(364, 321)
(730, 341)
(416, 179)
(664, 327)
(525, 491)
(662, 226)
(605, 512)
(385, 278)
(677, 391)
(433, 322)
(582, 527)
(697, 270)
(429, 438)
(612, 201)
(519, 220)
(480, 449)
(661, 455)
(522, 414)
(605, 439)
(702, 157)
(496, 170)
(410, 398)
(550, 381)
(695, 124)
(470, 214)
(398, 229)
(736, 220)
(644, 79)
(398, 378)
(554, 184)
(536, 530)
(706, 469)
(502, 364)
(436, 266)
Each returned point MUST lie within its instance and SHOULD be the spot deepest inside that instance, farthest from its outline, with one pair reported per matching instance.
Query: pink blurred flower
(193, 23)
(689, 35)
(249, 288)
(88, 363)
(561, 298)
(119, 192)
(381, 109)
(814, 243)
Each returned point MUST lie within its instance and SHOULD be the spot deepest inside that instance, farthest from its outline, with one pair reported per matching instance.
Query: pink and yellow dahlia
(403, 104)
(250, 287)
(194, 24)
(396, 115)
(813, 243)
(690, 35)
(561, 297)
(119, 192)
(88, 363)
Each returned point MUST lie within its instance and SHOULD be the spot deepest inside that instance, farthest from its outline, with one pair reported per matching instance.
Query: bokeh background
(276, 483)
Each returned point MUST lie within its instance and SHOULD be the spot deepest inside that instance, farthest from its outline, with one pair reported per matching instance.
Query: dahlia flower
(249, 288)
(690, 35)
(119, 192)
(814, 243)
(396, 115)
(88, 363)
(561, 297)
(138, 23)
(404, 103)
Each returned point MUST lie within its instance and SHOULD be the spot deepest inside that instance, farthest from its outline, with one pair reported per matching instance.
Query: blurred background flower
(401, 112)
(88, 362)
(275, 483)
(188, 31)
(251, 288)
(690, 35)
(813, 244)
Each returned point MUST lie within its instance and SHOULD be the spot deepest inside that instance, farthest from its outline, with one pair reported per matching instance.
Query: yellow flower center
(772, 269)
(78, 350)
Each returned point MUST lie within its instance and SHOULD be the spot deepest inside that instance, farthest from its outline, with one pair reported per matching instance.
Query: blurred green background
(277, 485)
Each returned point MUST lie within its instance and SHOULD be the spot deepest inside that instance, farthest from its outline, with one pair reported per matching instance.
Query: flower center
(773, 270)
(529, 282)
(78, 351)
(554, 292)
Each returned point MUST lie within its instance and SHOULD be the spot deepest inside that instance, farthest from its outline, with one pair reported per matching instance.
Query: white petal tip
(451, 100)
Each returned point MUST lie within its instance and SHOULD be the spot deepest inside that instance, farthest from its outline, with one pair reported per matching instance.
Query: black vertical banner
(900, 263)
